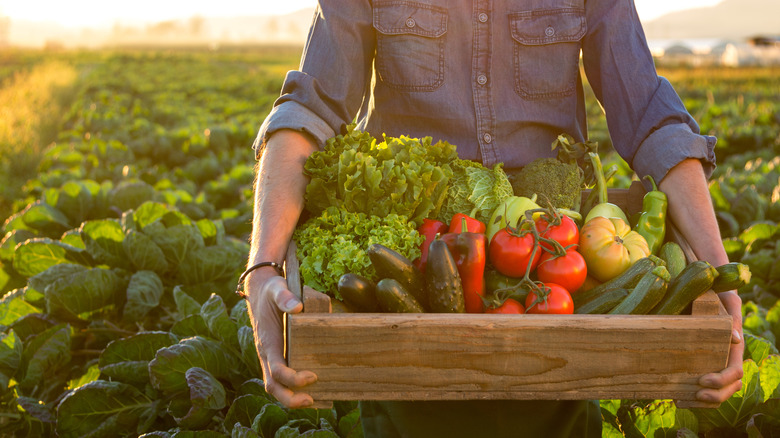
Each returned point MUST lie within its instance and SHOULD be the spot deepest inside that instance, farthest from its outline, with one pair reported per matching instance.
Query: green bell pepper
(652, 222)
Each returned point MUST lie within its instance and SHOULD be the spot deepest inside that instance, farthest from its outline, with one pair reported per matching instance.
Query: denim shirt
(500, 79)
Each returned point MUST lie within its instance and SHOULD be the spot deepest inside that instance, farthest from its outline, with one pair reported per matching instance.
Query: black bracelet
(243, 276)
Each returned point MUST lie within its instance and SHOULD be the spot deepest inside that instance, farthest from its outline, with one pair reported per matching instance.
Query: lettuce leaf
(475, 190)
(403, 176)
(335, 243)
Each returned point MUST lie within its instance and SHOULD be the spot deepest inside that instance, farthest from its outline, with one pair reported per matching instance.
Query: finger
(281, 393)
(282, 382)
(284, 300)
(733, 305)
(721, 379)
(287, 397)
(719, 395)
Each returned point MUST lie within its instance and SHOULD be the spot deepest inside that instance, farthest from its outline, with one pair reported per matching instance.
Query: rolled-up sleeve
(648, 122)
(335, 71)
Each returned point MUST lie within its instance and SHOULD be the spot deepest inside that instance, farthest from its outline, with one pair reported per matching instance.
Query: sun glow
(98, 13)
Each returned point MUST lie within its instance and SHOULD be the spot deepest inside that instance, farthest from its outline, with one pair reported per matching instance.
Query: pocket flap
(410, 18)
(548, 26)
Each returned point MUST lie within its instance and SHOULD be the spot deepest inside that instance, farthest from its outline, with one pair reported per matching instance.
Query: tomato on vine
(555, 301)
(558, 227)
(568, 270)
(509, 306)
(511, 252)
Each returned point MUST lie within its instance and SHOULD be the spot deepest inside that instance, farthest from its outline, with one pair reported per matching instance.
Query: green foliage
(403, 176)
(475, 190)
(119, 257)
(335, 243)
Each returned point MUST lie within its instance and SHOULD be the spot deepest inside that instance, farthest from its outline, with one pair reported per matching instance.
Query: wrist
(263, 270)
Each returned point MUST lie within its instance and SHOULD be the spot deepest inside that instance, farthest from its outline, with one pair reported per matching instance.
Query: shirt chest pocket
(410, 44)
(546, 50)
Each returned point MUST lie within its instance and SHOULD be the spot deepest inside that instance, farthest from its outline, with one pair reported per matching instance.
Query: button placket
(481, 70)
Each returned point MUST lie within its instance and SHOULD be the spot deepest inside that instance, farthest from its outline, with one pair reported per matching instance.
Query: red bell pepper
(429, 229)
(460, 221)
(469, 251)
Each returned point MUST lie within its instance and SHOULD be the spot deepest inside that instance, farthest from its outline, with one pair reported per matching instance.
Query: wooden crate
(380, 356)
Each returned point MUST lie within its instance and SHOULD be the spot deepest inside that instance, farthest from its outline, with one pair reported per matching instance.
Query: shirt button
(481, 79)
(487, 138)
(483, 17)
(550, 31)
(410, 22)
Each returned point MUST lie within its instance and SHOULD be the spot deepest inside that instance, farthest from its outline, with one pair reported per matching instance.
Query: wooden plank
(708, 304)
(451, 357)
(315, 301)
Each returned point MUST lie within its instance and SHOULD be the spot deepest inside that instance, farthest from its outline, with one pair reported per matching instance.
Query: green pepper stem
(601, 182)
(652, 181)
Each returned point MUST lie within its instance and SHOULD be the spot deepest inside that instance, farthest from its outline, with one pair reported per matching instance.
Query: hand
(718, 387)
(268, 297)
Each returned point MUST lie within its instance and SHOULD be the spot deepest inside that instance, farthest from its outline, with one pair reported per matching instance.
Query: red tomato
(558, 301)
(568, 270)
(511, 253)
(566, 233)
(510, 306)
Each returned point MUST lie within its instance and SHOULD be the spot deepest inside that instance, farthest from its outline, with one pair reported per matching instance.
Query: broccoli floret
(550, 179)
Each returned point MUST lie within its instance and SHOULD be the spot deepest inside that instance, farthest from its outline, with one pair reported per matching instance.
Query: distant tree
(163, 28)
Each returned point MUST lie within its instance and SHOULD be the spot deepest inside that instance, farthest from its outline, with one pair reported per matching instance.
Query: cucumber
(391, 264)
(442, 281)
(731, 276)
(358, 292)
(394, 298)
(603, 303)
(647, 293)
(674, 257)
(693, 281)
(627, 280)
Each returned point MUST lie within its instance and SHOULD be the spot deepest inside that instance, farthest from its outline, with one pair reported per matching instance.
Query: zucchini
(391, 264)
(442, 281)
(394, 298)
(359, 292)
(674, 257)
(693, 281)
(603, 303)
(647, 293)
(731, 276)
(627, 280)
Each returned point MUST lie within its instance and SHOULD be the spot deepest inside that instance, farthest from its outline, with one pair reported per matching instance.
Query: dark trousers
(482, 418)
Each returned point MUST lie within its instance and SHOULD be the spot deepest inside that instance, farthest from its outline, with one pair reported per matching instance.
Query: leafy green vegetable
(335, 243)
(170, 364)
(102, 408)
(475, 190)
(127, 359)
(403, 176)
(736, 411)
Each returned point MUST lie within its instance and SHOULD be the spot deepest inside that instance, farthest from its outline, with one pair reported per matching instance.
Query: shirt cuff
(670, 145)
(292, 115)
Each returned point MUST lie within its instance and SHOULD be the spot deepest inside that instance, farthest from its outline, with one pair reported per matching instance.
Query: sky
(100, 13)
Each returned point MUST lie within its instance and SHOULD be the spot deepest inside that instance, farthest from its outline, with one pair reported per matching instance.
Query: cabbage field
(126, 202)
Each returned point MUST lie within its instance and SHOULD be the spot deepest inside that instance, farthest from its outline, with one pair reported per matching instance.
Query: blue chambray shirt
(499, 79)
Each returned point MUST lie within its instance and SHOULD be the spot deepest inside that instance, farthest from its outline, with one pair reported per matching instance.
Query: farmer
(500, 79)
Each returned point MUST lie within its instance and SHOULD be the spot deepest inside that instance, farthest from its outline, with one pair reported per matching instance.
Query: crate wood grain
(380, 356)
